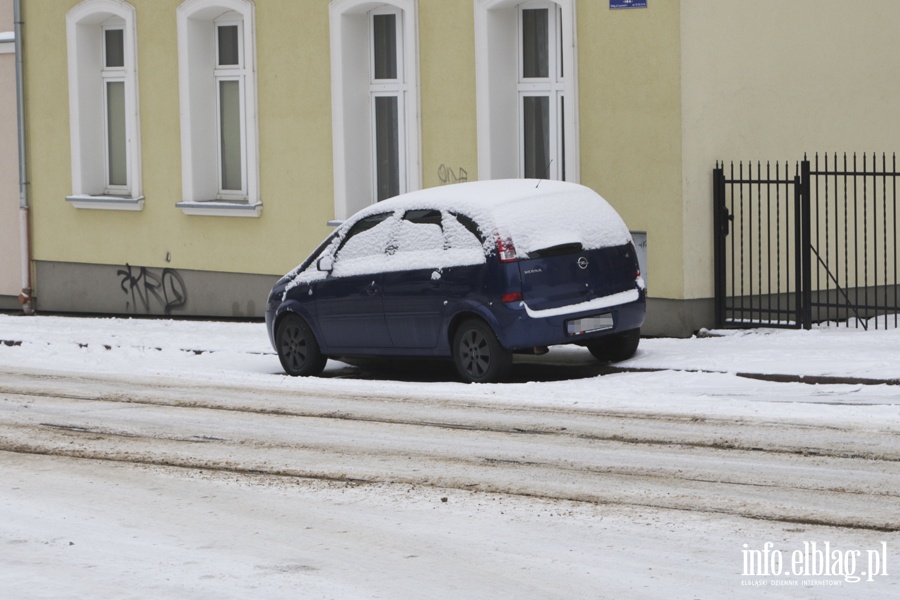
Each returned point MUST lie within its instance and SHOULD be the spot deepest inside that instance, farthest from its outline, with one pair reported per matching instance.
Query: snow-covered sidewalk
(837, 352)
(828, 352)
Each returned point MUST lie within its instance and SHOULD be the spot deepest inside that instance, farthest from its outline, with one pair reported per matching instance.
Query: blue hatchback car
(473, 272)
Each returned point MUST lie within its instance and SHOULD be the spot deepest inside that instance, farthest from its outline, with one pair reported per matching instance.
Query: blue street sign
(628, 3)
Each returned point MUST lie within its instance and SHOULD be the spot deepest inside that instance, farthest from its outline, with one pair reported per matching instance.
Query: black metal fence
(806, 243)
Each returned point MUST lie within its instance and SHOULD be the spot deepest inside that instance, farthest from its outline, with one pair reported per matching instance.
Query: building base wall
(153, 291)
(678, 318)
(149, 291)
(8, 303)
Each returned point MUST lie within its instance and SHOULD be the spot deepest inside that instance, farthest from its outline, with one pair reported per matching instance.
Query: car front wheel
(298, 349)
(616, 347)
(478, 355)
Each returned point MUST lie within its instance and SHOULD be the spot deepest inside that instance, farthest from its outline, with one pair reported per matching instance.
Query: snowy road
(144, 469)
(746, 467)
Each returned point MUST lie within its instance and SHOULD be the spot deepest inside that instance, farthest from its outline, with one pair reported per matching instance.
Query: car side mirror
(326, 263)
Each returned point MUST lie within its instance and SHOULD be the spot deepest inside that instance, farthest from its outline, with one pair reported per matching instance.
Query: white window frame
(388, 88)
(86, 25)
(199, 75)
(500, 88)
(231, 73)
(401, 137)
(551, 87)
(353, 107)
(111, 75)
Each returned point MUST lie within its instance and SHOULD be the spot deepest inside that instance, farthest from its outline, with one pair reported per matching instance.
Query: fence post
(805, 217)
(720, 231)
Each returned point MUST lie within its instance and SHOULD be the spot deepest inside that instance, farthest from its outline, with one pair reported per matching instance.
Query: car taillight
(512, 297)
(506, 251)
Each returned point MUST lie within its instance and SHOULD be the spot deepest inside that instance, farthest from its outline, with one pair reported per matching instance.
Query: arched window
(526, 81)
(217, 80)
(374, 64)
(103, 105)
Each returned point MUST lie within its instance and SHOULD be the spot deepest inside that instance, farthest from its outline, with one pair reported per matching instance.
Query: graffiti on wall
(447, 175)
(150, 291)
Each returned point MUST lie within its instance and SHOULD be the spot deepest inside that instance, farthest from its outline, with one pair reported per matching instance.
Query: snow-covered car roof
(533, 213)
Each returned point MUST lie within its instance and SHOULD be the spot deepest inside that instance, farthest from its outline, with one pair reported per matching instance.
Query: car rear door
(435, 260)
(568, 274)
(413, 296)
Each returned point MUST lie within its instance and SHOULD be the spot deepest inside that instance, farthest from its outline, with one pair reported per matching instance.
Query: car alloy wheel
(298, 349)
(478, 355)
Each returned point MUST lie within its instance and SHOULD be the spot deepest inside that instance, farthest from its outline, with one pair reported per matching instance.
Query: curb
(612, 370)
(773, 377)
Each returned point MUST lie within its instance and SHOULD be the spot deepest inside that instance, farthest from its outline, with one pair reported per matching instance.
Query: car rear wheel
(478, 355)
(616, 347)
(298, 349)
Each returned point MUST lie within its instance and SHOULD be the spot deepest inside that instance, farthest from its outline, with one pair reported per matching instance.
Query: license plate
(589, 324)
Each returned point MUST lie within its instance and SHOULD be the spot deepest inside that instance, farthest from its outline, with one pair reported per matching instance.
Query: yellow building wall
(772, 80)
(294, 98)
(629, 110)
(629, 76)
(664, 92)
(630, 138)
(447, 82)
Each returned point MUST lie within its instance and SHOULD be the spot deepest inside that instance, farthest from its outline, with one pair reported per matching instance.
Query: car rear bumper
(520, 329)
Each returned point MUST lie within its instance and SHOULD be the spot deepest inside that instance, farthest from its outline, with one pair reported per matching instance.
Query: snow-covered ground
(147, 458)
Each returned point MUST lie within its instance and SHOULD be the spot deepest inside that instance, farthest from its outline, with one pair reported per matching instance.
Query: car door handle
(372, 289)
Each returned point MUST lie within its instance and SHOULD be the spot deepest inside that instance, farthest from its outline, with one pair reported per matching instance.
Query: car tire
(477, 353)
(616, 347)
(298, 349)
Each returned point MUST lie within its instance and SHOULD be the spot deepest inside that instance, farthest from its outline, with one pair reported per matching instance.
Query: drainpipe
(25, 298)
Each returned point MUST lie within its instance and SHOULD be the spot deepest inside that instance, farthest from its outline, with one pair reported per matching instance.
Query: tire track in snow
(496, 449)
(638, 427)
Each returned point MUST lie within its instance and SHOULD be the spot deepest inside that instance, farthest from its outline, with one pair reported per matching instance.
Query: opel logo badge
(582, 262)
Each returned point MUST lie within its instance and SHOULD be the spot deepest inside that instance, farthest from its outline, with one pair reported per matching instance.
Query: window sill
(107, 202)
(220, 209)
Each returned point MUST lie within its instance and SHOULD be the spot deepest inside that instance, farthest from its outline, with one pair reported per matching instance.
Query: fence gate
(806, 243)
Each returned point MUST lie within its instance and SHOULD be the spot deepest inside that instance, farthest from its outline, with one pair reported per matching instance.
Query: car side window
(359, 228)
(417, 242)
(463, 242)
(469, 224)
(424, 217)
(363, 249)
(432, 239)
(419, 231)
(308, 270)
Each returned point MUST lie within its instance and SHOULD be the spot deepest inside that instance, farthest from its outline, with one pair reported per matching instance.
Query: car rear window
(557, 220)
(557, 250)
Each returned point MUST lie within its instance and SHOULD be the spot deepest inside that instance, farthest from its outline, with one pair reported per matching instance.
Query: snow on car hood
(534, 214)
